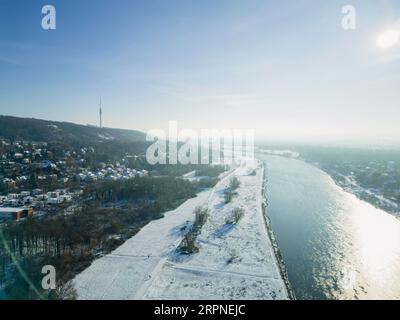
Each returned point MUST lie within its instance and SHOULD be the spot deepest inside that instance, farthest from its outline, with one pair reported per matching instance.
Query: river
(334, 245)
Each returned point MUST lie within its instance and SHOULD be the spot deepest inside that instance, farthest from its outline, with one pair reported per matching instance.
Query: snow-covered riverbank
(234, 261)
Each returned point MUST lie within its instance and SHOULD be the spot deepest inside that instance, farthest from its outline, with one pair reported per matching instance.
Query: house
(8, 181)
(36, 192)
(80, 177)
(54, 194)
(12, 202)
(46, 164)
(41, 197)
(24, 194)
(57, 200)
(22, 179)
(28, 200)
(66, 198)
(8, 213)
(54, 198)
(12, 196)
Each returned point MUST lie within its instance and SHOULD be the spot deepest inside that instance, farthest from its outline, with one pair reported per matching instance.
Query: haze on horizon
(287, 70)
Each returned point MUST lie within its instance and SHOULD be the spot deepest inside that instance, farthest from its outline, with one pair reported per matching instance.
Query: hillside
(15, 128)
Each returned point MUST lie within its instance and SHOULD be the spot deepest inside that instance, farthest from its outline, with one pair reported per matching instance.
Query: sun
(388, 39)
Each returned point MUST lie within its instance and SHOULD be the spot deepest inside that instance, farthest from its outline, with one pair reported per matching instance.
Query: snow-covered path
(148, 267)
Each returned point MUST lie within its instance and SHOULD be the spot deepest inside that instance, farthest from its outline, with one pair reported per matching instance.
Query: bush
(228, 195)
(235, 217)
(234, 183)
(201, 216)
(233, 257)
(64, 291)
(237, 213)
(188, 244)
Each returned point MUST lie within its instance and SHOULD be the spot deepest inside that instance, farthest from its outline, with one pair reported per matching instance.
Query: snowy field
(234, 261)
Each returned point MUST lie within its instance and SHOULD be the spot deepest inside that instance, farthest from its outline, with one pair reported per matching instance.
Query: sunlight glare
(388, 39)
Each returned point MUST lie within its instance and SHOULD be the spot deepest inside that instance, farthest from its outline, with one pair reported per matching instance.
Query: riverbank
(347, 183)
(272, 237)
(234, 261)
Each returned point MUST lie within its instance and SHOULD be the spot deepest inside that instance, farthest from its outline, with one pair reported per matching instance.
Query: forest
(114, 212)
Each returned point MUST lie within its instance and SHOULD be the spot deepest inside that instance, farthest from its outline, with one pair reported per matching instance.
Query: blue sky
(284, 68)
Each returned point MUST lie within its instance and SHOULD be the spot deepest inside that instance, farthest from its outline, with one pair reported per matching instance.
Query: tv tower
(100, 115)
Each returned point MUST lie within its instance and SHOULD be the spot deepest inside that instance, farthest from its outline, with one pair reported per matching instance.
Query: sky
(286, 69)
